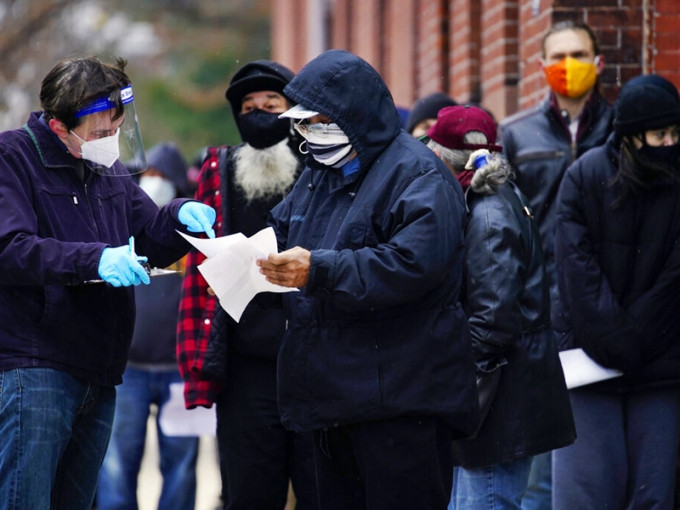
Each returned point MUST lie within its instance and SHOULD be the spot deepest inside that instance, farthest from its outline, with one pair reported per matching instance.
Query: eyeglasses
(318, 129)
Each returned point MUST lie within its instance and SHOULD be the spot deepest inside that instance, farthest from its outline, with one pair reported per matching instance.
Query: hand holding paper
(231, 269)
(197, 217)
(289, 268)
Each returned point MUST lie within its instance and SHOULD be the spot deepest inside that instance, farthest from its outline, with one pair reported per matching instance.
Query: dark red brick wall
(665, 30)
(399, 49)
(482, 50)
(500, 44)
(431, 64)
(464, 50)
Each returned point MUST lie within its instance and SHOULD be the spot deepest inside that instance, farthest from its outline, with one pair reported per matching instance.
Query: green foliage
(179, 95)
(165, 115)
(212, 71)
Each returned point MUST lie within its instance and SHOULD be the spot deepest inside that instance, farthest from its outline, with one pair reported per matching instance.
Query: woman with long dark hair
(618, 265)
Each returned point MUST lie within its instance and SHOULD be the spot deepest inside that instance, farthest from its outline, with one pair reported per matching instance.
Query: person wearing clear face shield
(74, 231)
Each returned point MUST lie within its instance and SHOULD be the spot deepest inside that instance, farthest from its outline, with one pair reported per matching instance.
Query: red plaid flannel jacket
(196, 305)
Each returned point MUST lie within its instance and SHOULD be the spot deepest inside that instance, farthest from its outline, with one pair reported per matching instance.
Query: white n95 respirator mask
(102, 151)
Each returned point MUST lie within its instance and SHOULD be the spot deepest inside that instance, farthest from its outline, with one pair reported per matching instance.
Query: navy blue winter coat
(618, 271)
(53, 229)
(379, 331)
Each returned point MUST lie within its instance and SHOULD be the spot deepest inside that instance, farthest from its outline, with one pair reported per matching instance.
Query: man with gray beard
(233, 365)
(265, 173)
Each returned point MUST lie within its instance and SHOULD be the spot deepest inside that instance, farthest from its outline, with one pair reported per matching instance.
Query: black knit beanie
(646, 102)
(427, 108)
(257, 76)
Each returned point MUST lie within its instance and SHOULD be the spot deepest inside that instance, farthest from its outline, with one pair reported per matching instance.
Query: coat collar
(589, 115)
(52, 151)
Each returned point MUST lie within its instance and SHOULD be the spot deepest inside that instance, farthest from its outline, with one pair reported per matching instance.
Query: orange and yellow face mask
(571, 77)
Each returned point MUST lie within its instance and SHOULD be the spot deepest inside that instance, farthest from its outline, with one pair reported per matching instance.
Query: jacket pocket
(525, 157)
(62, 213)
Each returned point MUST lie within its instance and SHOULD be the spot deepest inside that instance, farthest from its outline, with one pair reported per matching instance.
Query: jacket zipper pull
(75, 200)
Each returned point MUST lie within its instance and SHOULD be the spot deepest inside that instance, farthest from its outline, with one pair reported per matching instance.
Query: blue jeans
(539, 488)
(53, 435)
(496, 487)
(118, 478)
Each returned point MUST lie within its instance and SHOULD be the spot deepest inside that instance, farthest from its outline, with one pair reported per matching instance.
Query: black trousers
(402, 463)
(257, 455)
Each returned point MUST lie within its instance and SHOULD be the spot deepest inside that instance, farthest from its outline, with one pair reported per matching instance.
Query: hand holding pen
(121, 266)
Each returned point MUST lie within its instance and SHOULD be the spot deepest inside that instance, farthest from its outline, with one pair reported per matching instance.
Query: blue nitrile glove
(120, 267)
(197, 217)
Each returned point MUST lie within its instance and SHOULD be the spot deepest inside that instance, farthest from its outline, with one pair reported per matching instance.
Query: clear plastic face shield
(109, 131)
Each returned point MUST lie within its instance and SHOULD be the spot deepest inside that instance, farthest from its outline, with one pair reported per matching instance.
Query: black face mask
(665, 154)
(262, 129)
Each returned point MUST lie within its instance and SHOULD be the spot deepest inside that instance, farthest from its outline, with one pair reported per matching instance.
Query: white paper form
(580, 369)
(176, 420)
(211, 247)
(231, 271)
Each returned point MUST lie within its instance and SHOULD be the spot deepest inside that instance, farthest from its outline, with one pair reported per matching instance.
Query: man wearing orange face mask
(540, 143)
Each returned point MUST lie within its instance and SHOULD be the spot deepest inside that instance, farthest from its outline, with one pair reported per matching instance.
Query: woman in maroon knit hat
(523, 396)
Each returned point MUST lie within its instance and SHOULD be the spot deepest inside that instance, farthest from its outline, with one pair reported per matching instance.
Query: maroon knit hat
(453, 122)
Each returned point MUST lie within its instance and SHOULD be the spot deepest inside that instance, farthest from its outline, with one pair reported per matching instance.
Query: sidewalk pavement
(207, 473)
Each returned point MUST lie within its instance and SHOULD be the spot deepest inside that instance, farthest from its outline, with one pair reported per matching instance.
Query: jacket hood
(167, 159)
(352, 94)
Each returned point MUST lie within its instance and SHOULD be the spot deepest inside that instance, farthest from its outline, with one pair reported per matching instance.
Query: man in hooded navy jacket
(376, 359)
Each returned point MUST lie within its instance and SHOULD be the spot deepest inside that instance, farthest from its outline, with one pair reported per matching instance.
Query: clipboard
(153, 272)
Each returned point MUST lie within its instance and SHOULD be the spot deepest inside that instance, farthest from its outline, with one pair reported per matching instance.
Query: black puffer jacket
(509, 314)
(619, 271)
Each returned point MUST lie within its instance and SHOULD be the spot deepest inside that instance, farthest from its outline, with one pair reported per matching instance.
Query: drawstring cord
(323, 444)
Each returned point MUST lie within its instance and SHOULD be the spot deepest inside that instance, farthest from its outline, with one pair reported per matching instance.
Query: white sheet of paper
(580, 369)
(176, 420)
(211, 247)
(231, 271)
